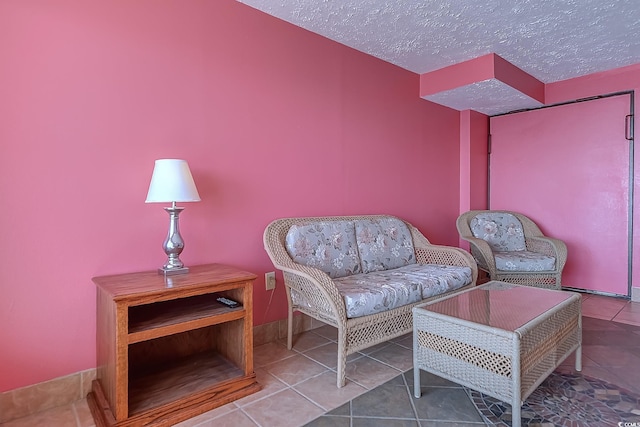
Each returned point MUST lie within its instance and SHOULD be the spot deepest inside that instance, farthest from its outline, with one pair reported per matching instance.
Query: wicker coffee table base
(506, 364)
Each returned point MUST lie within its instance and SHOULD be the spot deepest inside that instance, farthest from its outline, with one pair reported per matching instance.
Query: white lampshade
(172, 182)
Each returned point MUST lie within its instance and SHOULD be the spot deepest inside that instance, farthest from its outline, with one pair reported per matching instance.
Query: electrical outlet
(270, 280)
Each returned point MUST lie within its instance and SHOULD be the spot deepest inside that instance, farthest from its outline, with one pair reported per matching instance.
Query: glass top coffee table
(498, 338)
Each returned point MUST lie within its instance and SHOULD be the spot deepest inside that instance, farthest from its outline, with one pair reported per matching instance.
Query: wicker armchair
(536, 246)
(323, 301)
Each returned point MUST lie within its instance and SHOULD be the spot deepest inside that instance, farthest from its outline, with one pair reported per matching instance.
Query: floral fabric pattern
(327, 246)
(438, 279)
(384, 244)
(376, 292)
(524, 261)
(372, 262)
(502, 231)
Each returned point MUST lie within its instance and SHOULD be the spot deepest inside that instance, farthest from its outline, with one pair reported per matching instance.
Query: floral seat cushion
(524, 261)
(328, 246)
(502, 231)
(375, 292)
(437, 279)
(384, 244)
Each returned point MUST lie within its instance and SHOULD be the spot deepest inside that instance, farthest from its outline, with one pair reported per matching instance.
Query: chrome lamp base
(173, 244)
(172, 271)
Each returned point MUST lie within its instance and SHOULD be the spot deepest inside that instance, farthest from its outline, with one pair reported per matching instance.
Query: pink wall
(474, 131)
(456, 75)
(580, 193)
(508, 73)
(274, 121)
(617, 80)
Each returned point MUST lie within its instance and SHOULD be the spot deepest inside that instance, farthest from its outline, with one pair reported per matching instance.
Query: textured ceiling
(550, 39)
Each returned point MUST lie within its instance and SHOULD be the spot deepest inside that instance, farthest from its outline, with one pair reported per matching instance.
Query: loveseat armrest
(447, 255)
(313, 281)
(317, 288)
(549, 246)
(428, 253)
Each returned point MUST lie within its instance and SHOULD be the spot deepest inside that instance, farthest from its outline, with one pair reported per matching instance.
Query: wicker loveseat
(362, 275)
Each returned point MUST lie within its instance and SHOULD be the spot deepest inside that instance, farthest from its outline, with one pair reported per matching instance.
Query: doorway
(569, 168)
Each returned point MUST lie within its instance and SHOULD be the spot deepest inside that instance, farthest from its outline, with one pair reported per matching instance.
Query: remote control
(228, 302)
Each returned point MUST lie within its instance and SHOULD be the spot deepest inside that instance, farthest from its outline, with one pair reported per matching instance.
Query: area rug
(565, 399)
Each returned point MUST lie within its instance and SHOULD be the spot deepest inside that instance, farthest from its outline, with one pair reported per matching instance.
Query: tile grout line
(410, 394)
(619, 311)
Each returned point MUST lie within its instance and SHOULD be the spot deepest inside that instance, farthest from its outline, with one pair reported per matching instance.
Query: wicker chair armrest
(549, 246)
(482, 253)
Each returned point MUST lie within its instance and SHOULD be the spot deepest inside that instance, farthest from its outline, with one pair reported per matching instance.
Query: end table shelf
(159, 319)
(167, 350)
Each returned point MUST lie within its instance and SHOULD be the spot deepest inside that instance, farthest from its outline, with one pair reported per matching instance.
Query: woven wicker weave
(506, 364)
(535, 241)
(325, 302)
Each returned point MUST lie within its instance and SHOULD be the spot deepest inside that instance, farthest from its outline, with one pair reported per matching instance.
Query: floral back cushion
(329, 246)
(384, 244)
(502, 231)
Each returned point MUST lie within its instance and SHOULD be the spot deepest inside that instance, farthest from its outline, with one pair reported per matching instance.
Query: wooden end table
(167, 350)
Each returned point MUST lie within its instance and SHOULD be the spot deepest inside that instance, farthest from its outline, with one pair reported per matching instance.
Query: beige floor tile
(601, 308)
(83, 413)
(405, 341)
(307, 341)
(40, 397)
(62, 416)
(627, 378)
(611, 357)
(369, 373)
(570, 361)
(375, 348)
(270, 353)
(395, 356)
(328, 332)
(323, 391)
(596, 314)
(328, 355)
(628, 318)
(207, 416)
(269, 383)
(286, 408)
(602, 374)
(631, 307)
(236, 418)
(87, 378)
(295, 369)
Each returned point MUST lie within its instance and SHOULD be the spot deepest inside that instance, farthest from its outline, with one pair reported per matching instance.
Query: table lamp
(172, 182)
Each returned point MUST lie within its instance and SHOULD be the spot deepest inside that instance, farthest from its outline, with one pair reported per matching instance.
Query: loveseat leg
(290, 328)
(342, 362)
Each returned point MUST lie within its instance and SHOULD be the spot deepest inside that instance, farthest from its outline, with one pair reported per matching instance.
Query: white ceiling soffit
(489, 97)
(550, 39)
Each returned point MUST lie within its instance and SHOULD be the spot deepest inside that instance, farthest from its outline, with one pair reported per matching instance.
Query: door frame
(629, 136)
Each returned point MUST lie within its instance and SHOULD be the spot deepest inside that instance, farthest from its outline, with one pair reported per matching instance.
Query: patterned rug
(566, 400)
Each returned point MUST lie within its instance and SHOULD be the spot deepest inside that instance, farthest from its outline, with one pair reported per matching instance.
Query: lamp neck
(175, 210)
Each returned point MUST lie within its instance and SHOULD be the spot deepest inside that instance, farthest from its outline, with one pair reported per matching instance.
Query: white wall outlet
(270, 280)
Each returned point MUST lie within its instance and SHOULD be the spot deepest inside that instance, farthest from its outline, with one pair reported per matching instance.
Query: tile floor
(299, 385)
